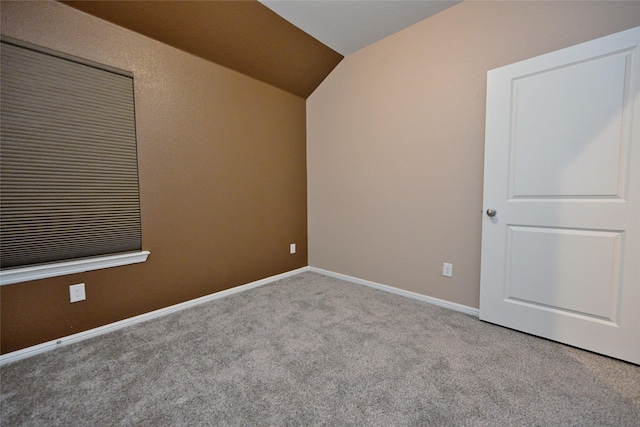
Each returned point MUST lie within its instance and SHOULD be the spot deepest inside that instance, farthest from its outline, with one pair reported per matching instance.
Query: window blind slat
(68, 160)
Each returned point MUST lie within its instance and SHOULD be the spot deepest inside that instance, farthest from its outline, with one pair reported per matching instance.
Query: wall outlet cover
(77, 293)
(447, 269)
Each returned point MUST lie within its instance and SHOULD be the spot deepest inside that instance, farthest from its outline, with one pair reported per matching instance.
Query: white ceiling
(349, 25)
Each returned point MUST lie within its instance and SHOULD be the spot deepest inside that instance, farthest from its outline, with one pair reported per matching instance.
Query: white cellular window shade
(68, 159)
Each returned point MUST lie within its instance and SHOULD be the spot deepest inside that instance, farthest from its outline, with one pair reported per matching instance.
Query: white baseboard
(70, 339)
(51, 345)
(442, 303)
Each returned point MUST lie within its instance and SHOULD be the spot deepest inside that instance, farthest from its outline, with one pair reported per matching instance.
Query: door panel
(561, 259)
(558, 275)
(568, 131)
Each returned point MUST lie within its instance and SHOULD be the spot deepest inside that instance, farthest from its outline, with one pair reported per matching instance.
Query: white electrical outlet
(76, 293)
(447, 269)
(292, 248)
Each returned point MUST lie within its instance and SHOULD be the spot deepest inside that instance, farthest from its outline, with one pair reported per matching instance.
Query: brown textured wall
(222, 180)
(395, 140)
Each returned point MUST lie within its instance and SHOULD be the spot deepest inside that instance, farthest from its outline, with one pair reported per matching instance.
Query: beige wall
(222, 180)
(395, 140)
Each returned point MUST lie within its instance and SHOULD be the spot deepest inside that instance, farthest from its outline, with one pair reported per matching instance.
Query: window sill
(24, 274)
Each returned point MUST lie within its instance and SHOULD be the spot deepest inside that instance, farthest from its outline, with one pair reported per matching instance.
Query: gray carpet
(313, 350)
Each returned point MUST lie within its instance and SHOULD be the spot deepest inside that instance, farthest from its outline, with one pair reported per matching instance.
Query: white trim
(23, 274)
(81, 336)
(70, 339)
(442, 303)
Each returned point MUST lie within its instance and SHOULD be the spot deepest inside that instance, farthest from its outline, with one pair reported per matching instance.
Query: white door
(561, 255)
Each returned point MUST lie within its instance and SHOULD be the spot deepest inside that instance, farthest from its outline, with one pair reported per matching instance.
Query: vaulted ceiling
(349, 25)
(249, 37)
(245, 36)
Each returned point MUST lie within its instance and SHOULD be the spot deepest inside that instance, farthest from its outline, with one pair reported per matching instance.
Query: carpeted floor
(313, 350)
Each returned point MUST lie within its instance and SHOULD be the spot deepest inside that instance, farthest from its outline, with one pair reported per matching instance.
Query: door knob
(491, 212)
